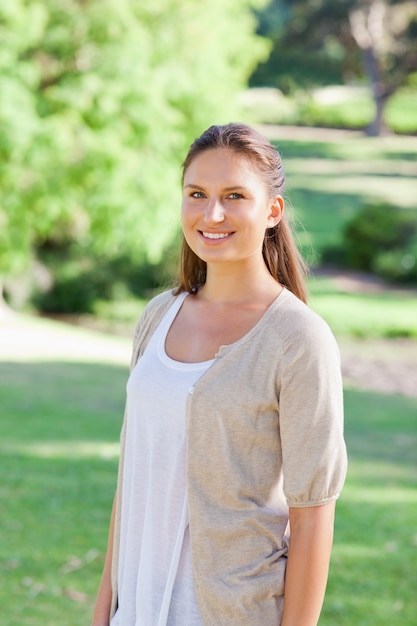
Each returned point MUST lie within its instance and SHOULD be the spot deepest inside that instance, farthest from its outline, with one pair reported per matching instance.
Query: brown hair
(280, 253)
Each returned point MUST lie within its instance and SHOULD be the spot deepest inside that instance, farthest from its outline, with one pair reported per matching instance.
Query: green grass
(337, 106)
(328, 181)
(59, 430)
(330, 177)
(371, 315)
(401, 111)
(372, 578)
(58, 440)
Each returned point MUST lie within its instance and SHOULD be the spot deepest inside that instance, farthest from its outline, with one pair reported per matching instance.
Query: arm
(311, 541)
(101, 616)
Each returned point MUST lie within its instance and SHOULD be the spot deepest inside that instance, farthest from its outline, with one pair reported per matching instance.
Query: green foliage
(353, 113)
(310, 47)
(316, 43)
(382, 238)
(398, 265)
(99, 102)
(325, 42)
(78, 279)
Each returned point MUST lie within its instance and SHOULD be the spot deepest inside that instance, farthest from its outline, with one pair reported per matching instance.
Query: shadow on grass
(381, 427)
(357, 148)
(308, 149)
(321, 216)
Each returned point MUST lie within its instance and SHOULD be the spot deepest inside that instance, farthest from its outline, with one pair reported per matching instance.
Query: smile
(215, 235)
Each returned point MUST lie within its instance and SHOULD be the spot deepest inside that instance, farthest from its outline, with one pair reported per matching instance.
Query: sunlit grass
(59, 447)
(400, 113)
(59, 440)
(64, 449)
(371, 314)
(327, 183)
(368, 315)
(338, 106)
(371, 580)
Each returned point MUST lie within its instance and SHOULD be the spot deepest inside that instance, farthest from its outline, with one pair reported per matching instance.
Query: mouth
(215, 236)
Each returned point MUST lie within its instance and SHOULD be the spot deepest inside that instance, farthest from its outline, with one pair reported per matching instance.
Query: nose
(214, 213)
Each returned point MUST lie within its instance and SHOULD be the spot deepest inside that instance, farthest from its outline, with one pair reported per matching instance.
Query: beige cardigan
(264, 432)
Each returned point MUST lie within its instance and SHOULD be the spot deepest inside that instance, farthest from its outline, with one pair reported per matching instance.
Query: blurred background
(99, 102)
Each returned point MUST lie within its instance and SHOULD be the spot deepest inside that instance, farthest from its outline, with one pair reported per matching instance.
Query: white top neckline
(164, 328)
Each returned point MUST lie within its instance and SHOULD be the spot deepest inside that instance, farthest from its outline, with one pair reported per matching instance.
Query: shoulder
(155, 310)
(299, 327)
(149, 320)
(160, 302)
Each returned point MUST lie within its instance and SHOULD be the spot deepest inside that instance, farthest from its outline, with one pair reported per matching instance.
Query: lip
(217, 236)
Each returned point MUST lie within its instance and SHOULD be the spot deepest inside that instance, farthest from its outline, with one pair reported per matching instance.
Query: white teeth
(216, 235)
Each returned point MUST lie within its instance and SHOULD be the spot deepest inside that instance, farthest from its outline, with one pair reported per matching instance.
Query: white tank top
(156, 586)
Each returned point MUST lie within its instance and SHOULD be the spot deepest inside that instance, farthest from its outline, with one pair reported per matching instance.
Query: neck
(229, 284)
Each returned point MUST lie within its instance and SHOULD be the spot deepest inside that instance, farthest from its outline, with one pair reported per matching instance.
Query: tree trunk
(366, 25)
(377, 127)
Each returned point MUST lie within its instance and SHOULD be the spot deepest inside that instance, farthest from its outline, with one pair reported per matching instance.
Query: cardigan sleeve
(311, 414)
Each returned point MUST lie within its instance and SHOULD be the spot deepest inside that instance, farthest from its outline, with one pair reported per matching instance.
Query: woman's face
(226, 208)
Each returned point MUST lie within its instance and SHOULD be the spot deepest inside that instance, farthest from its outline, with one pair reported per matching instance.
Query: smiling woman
(226, 210)
(232, 450)
(250, 170)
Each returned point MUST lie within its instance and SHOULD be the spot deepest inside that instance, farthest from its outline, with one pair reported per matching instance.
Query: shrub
(78, 281)
(398, 265)
(382, 239)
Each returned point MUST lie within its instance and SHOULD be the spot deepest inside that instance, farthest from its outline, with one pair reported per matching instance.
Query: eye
(197, 194)
(235, 195)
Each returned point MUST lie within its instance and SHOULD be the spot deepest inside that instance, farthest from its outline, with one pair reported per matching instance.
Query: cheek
(187, 217)
(184, 211)
(190, 211)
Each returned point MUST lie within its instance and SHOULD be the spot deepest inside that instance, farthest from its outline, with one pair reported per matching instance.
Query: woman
(233, 435)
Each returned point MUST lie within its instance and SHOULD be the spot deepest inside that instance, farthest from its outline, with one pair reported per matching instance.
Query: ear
(276, 211)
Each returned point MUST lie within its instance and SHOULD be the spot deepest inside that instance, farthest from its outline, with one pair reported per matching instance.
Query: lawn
(372, 580)
(329, 180)
(381, 314)
(58, 439)
(59, 430)
(334, 106)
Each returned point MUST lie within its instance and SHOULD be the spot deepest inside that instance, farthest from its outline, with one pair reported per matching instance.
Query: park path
(25, 338)
(386, 365)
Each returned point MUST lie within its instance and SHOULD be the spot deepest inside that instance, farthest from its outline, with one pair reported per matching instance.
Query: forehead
(221, 165)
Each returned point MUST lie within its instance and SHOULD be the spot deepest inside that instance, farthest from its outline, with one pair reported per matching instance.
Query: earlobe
(276, 212)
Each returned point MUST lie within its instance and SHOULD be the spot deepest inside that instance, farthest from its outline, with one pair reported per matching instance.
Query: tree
(326, 41)
(99, 101)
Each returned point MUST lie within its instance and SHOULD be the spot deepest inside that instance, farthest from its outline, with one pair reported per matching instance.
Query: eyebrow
(232, 188)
